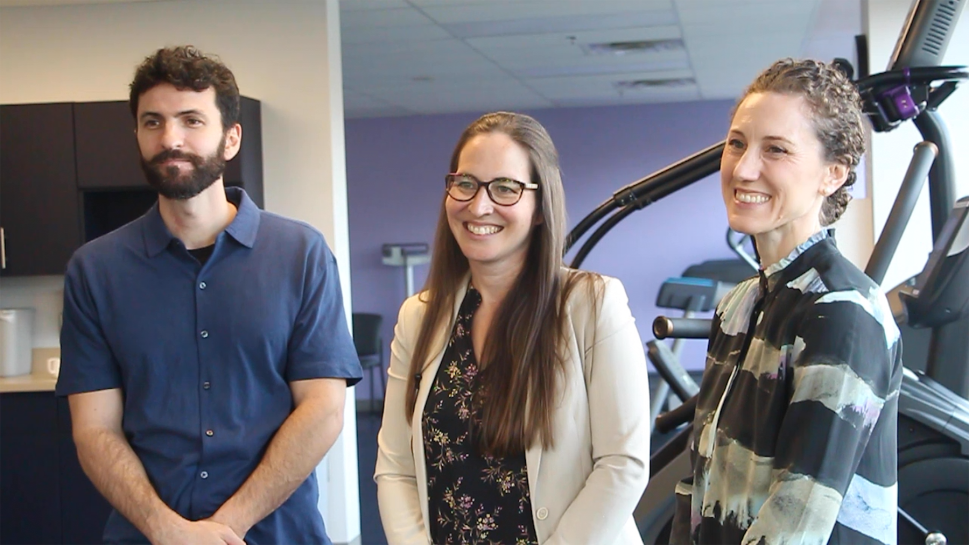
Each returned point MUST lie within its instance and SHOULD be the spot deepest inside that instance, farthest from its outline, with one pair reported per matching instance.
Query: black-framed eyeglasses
(503, 191)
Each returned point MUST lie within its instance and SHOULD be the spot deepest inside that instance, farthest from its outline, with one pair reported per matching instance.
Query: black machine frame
(933, 409)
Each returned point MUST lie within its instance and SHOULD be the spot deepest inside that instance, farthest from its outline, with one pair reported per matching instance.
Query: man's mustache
(168, 155)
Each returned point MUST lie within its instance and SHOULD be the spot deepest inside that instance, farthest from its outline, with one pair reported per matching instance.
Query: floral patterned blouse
(472, 497)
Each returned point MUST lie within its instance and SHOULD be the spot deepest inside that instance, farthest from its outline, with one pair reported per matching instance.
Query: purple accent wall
(395, 178)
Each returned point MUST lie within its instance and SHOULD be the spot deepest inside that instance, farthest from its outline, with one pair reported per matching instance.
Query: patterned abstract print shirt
(472, 497)
(795, 430)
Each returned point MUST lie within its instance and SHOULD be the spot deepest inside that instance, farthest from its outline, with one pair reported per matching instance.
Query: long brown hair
(522, 359)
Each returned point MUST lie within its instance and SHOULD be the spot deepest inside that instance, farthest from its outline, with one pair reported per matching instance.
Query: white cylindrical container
(16, 341)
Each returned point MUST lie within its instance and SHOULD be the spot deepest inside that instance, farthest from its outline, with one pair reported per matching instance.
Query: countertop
(39, 380)
(33, 382)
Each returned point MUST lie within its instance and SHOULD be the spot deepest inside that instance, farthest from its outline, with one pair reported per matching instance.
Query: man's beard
(171, 183)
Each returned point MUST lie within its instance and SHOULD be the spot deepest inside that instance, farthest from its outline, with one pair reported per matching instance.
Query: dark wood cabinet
(38, 195)
(107, 150)
(30, 506)
(108, 155)
(45, 497)
(70, 173)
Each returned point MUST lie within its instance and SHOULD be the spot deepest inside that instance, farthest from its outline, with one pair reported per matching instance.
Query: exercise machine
(933, 445)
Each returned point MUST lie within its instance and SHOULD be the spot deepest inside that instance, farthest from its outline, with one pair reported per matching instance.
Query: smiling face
(183, 146)
(489, 234)
(773, 174)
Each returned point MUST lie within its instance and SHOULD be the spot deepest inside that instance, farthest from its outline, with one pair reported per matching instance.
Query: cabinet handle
(3, 249)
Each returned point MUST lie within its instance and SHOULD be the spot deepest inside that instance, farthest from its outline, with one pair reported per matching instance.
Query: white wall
(891, 152)
(286, 54)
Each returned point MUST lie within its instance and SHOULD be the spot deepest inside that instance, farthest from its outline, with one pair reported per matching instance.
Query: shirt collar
(243, 227)
(772, 274)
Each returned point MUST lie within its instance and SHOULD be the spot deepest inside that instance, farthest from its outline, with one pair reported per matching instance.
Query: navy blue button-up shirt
(204, 354)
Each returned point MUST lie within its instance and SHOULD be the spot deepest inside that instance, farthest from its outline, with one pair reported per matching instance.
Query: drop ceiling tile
(756, 14)
(437, 63)
(549, 5)
(457, 95)
(409, 51)
(359, 5)
(573, 39)
(382, 18)
(447, 87)
(478, 104)
(365, 35)
(684, 95)
(551, 70)
(579, 86)
(699, 5)
(440, 68)
(464, 13)
(554, 23)
(556, 56)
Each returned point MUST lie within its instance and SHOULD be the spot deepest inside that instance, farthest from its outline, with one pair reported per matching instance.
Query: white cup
(53, 366)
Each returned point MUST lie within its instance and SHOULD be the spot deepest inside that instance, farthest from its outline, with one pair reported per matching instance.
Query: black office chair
(370, 348)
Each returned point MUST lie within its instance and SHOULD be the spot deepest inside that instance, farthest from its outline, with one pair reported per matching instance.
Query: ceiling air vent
(646, 84)
(634, 47)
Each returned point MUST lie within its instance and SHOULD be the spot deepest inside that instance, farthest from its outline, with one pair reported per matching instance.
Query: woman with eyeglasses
(517, 406)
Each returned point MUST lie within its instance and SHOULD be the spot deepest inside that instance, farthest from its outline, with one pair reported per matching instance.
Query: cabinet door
(29, 497)
(38, 191)
(107, 149)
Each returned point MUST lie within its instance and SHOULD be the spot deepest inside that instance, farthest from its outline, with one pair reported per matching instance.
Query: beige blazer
(585, 488)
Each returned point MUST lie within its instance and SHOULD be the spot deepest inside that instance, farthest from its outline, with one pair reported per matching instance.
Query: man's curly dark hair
(185, 67)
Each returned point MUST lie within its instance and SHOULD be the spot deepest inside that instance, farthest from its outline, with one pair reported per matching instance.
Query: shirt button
(204, 474)
(202, 285)
(204, 334)
(206, 385)
(542, 513)
(210, 433)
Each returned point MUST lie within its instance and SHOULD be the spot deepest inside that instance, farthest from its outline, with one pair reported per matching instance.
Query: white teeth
(751, 198)
(483, 229)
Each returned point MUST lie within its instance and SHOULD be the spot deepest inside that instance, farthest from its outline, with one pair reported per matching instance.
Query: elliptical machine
(933, 424)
